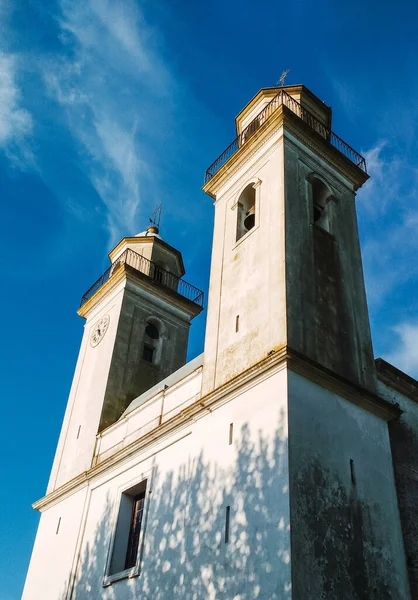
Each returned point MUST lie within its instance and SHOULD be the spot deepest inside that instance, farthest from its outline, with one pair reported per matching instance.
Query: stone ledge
(397, 379)
(277, 359)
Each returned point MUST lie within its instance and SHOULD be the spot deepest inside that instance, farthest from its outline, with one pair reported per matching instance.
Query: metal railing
(282, 98)
(149, 268)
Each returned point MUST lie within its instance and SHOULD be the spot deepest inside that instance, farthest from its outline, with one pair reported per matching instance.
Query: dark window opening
(129, 533)
(148, 353)
(227, 519)
(352, 472)
(246, 211)
(152, 332)
(135, 530)
(320, 200)
(151, 351)
(231, 433)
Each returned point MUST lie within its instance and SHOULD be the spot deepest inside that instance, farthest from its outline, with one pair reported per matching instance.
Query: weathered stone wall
(346, 533)
(129, 374)
(247, 277)
(404, 441)
(327, 316)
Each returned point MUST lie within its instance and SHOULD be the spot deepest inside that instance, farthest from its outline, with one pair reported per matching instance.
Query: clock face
(98, 331)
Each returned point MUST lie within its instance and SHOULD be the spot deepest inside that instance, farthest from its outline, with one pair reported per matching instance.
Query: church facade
(280, 463)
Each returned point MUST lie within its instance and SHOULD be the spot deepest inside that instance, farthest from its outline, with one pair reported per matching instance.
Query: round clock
(98, 330)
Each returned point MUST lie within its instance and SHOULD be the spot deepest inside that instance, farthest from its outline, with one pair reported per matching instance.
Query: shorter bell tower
(138, 316)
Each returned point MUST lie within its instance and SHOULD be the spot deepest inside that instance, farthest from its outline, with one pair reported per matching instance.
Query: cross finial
(283, 77)
(156, 215)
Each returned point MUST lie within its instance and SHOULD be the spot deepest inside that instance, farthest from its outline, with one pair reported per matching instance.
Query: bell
(249, 220)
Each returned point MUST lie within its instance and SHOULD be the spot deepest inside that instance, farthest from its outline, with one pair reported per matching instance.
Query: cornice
(284, 117)
(147, 240)
(125, 272)
(278, 359)
(324, 149)
(245, 152)
(352, 392)
(397, 379)
(273, 91)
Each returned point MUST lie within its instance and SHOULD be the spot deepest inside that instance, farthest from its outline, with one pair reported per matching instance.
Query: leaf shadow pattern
(185, 554)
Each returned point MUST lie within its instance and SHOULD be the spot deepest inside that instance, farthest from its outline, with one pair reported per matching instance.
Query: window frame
(327, 206)
(155, 344)
(125, 489)
(256, 183)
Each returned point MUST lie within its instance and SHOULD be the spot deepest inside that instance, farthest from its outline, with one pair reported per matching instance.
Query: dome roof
(152, 231)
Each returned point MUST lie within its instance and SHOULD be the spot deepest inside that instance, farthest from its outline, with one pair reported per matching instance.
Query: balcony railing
(282, 98)
(149, 268)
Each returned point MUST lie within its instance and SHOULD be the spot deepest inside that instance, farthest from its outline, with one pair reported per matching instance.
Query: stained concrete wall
(345, 539)
(289, 281)
(404, 442)
(247, 277)
(346, 533)
(327, 315)
(193, 475)
(109, 375)
(129, 374)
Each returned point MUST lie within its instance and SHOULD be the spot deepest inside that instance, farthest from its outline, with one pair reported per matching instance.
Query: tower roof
(299, 92)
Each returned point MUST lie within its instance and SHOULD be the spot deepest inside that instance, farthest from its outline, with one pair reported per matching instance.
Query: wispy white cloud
(405, 353)
(15, 121)
(110, 84)
(388, 206)
(383, 186)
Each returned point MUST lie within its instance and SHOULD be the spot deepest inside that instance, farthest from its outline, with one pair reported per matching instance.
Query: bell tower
(286, 265)
(138, 315)
(288, 337)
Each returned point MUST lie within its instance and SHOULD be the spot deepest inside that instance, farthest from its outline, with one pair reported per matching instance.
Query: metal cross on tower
(283, 77)
(156, 215)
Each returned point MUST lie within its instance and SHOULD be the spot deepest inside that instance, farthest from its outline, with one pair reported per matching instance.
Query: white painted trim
(136, 570)
(257, 187)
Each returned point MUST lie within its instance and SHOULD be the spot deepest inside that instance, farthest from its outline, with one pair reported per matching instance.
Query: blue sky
(108, 107)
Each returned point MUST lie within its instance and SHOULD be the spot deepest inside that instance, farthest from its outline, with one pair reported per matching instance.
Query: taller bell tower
(286, 264)
(138, 316)
(287, 306)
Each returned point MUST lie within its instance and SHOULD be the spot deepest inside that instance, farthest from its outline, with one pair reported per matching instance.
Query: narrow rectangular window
(134, 530)
(128, 532)
(353, 474)
(58, 526)
(231, 433)
(78, 432)
(237, 324)
(227, 519)
(148, 353)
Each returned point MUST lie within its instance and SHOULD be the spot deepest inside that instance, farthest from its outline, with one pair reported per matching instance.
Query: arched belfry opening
(151, 350)
(246, 210)
(321, 196)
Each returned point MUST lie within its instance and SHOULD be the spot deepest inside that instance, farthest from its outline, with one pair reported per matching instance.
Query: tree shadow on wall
(185, 554)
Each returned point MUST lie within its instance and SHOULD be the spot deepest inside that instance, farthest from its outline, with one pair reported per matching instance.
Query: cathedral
(280, 464)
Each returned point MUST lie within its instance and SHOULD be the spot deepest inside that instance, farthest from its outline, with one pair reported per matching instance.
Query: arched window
(321, 196)
(246, 210)
(152, 339)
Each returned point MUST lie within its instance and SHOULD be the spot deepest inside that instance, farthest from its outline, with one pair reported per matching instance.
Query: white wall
(195, 475)
(55, 551)
(78, 434)
(247, 278)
